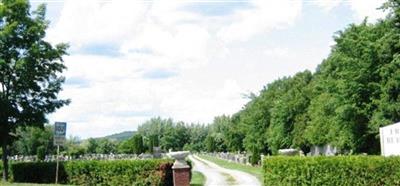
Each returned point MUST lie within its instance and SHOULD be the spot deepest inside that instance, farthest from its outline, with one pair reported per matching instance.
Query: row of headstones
(50, 158)
(233, 157)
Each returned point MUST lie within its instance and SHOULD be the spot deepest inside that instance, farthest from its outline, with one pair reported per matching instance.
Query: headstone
(390, 140)
(288, 152)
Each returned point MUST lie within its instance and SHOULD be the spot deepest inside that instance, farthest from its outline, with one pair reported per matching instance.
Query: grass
(198, 179)
(256, 171)
(229, 178)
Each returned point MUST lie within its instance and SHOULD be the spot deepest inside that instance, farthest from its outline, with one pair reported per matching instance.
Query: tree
(126, 146)
(92, 146)
(153, 142)
(30, 71)
(31, 138)
(106, 146)
(138, 146)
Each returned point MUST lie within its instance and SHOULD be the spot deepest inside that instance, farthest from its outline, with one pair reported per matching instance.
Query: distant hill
(120, 136)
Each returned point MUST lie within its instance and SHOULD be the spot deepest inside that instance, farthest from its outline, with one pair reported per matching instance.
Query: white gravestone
(390, 140)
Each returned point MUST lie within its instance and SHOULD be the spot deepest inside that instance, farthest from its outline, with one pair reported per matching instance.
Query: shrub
(41, 153)
(119, 172)
(95, 172)
(340, 170)
(37, 172)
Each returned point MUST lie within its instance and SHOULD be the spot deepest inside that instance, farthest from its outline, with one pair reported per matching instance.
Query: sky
(192, 60)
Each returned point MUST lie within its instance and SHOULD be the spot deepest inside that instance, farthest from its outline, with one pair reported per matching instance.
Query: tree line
(352, 93)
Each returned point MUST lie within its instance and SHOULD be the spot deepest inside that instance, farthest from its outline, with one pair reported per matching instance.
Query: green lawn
(198, 179)
(256, 171)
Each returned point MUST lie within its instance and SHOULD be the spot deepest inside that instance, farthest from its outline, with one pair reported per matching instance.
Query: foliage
(198, 179)
(116, 172)
(92, 146)
(41, 153)
(106, 146)
(340, 170)
(171, 135)
(30, 69)
(137, 146)
(37, 172)
(30, 139)
(126, 146)
(73, 147)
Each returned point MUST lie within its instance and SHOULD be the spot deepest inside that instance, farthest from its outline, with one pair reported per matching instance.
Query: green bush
(96, 172)
(120, 172)
(41, 153)
(340, 170)
(37, 172)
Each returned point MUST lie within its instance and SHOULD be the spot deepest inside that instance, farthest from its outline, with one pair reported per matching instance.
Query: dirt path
(219, 176)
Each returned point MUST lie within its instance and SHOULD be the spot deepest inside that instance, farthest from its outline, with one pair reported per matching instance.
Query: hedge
(121, 172)
(37, 172)
(96, 172)
(339, 170)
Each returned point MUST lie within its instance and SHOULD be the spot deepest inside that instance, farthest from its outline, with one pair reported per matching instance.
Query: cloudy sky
(188, 60)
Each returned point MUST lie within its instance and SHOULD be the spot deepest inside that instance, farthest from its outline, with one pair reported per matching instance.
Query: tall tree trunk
(5, 160)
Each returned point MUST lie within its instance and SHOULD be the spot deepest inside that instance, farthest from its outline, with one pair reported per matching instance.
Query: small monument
(181, 170)
(156, 152)
(288, 152)
(390, 140)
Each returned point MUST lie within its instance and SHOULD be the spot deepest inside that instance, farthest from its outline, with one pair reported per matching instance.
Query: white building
(390, 139)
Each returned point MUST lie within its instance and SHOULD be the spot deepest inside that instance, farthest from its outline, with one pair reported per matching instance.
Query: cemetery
(200, 93)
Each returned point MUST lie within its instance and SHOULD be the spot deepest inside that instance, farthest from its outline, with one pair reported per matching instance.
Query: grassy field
(256, 171)
(198, 179)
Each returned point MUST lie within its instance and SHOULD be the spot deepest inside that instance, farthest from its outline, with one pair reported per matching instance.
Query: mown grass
(229, 178)
(256, 171)
(198, 179)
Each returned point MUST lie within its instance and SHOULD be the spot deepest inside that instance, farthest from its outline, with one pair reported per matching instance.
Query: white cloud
(198, 105)
(263, 17)
(91, 22)
(277, 52)
(327, 5)
(363, 8)
(119, 98)
(360, 8)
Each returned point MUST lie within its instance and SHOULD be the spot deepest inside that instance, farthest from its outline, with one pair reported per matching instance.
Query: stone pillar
(180, 169)
(181, 175)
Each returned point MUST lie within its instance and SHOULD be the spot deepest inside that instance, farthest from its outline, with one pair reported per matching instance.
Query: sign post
(60, 130)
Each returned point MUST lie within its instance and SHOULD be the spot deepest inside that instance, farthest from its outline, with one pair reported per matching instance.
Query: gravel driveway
(219, 176)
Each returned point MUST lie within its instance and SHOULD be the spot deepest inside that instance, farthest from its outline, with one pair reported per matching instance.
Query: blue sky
(188, 60)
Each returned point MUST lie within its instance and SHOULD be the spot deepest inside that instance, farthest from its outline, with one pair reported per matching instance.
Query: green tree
(106, 146)
(73, 147)
(138, 146)
(92, 146)
(153, 142)
(29, 139)
(30, 71)
(210, 144)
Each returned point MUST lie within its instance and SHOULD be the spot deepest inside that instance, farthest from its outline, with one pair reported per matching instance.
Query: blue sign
(60, 131)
